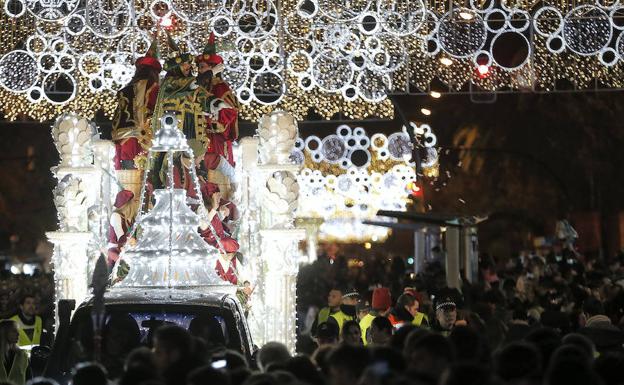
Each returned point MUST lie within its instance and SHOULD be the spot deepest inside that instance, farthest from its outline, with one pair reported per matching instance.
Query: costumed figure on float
(132, 130)
(222, 122)
(216, 232)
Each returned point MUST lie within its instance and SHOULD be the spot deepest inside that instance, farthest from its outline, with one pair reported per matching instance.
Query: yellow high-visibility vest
(341, 318)
(23, 337)
(418, 319)
(365, 324)
(323, 315)
(17, 373)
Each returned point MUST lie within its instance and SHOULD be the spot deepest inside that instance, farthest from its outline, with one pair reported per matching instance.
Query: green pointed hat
(151, 56)
(176, 57)
(209, 55)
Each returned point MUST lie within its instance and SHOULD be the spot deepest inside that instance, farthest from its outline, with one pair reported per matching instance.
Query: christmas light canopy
(335, 56)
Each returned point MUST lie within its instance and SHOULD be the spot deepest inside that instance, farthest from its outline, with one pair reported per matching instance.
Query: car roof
(176, 296)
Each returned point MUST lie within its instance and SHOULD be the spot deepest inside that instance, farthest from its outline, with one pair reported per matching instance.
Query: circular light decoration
(399, 146)
(331, 73)
(547, 21)
(110, 21)
(18, 71)
(52, 10)
(401, 17)
(222, 25)
(14, 8)
(368, 23)
(373, 86)
(587, 30)
(343, 10)
(36, 44)
(59, 88)
(496, 20)
(268, 88)
(460, 37)
(510, 50)
(518, 20)
(313, 143)
(333, 148)
(307, 9)
(555, 44)
(136, 43)
(90, 63)
(196, 11)
(75, 24)
(34, 94)
(608, 57)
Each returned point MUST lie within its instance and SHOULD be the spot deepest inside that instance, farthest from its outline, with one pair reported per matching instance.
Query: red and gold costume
(217, 235)
(131, 132)
(222, 128)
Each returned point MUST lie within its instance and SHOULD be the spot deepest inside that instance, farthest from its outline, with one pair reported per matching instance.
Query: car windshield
(128, 327)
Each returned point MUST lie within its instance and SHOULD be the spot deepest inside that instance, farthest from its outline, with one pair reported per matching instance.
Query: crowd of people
(549, 316)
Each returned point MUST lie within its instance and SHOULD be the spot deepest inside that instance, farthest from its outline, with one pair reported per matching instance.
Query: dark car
(132, 316)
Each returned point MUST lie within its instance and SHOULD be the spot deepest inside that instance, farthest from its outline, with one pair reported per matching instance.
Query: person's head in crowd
(469, 345)
(28, 306)
(209, 329)
(327, 333)
(362, 309)
(89, 373)
(334, 298)
(350, 298)
(172, 345)
(382, 301)
(388, 357)
(380, 331)
(445, 306)
(546, 340)
(397, 341)
(428, 355)
(592, 307)
(233, 360)
(238, 376)
(568, 368)
(9, 336)
(121, 334)
(609, 366)
(272, 353)
(582, 342)
(517, 362)
(207, 375)
(304, 370)
(140, 366)
(407, 303)
(572, 353)
(465, 373)
(351, 333)
(346, 364)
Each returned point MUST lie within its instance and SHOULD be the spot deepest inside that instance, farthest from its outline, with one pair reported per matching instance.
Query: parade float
(270, 63)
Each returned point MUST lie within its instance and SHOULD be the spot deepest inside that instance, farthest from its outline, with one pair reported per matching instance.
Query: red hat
(123, 197)
(207, 189)
(381, 299)
(209, 55)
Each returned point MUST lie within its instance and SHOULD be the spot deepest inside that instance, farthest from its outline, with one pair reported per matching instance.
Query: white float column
(273, 185)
